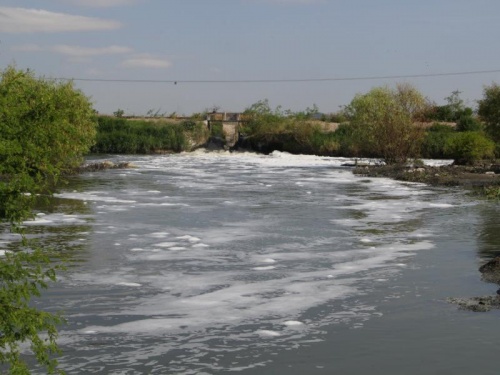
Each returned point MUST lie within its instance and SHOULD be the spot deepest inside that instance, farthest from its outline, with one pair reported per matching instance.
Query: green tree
(119, 113)
(468, 122)
(383, 122)
(267, 129)
(45, 128)
(489, 110)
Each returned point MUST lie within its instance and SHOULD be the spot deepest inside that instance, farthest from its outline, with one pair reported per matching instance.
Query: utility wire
(366, 78)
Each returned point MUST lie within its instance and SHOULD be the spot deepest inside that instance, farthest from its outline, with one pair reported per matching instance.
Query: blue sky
(237, 40)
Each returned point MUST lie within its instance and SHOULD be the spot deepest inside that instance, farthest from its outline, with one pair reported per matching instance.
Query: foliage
(45, 128)
(490, 192)
(433, 145)
(450, 112)
(468, 123)
(119, 113)
(348, 141)
(216, 129)
(338, 117)
(155, 113)
(123, 136)
(469, 147)
(22, 275)
(269, 130)
(489, 110)
(383, 122)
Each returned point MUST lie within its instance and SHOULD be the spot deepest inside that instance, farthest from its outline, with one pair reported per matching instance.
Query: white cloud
(146, 61)
(24, 20)
(102, 3)
(78, 51)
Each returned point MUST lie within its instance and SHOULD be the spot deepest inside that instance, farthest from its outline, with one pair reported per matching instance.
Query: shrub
(466, 148)
(433, 146)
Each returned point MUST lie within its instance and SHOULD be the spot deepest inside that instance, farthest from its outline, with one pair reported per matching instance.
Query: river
(212, 263)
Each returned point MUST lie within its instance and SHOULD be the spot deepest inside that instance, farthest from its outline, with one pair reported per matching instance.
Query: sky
(187, 56)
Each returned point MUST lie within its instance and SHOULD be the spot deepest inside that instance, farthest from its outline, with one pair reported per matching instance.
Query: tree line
(395, 124)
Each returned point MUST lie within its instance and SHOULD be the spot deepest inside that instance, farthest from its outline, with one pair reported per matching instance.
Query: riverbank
(483, 179)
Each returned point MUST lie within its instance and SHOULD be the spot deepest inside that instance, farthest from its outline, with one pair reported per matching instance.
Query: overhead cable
(201, 81)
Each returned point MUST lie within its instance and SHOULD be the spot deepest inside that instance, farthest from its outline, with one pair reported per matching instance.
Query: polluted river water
(216, 262)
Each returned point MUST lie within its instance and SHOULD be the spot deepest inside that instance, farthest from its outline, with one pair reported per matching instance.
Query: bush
(468, 123)
(45, 128)
(466, 148)
(433, 146)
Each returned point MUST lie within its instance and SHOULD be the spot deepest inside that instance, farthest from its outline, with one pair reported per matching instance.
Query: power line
(365, 78)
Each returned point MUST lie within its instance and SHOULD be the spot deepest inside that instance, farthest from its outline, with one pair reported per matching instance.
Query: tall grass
(122, 136)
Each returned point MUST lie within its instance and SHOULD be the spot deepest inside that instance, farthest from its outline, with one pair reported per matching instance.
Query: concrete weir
(230, 126)
(231, 134)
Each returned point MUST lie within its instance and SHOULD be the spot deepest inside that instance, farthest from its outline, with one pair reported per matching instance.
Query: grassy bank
(124, 136)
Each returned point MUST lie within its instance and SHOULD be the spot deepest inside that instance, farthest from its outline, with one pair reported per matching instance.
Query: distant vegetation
(118, 135)
(394, 124)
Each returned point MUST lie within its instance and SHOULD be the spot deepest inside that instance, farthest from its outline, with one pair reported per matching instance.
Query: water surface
(208, 263)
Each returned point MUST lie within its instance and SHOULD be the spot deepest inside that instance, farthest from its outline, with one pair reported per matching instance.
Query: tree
(383, 122)
(454, 111)
(489, 110)
(45, 128)
(119, 113)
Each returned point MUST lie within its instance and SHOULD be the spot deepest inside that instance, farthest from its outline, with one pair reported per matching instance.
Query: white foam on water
(158, 234)
(293, 323)
(267, 333)
(200, 245)
(93, 196)
(129, 284)
(268, 260)
(441, 205)
(56, 219)
(166, 244)
(188, 238)
(265, 268)
(207, 285)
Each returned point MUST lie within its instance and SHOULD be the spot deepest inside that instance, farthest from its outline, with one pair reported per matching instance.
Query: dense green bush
(45, 128)
(468, 123)
(469, 147)
(433, 146)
